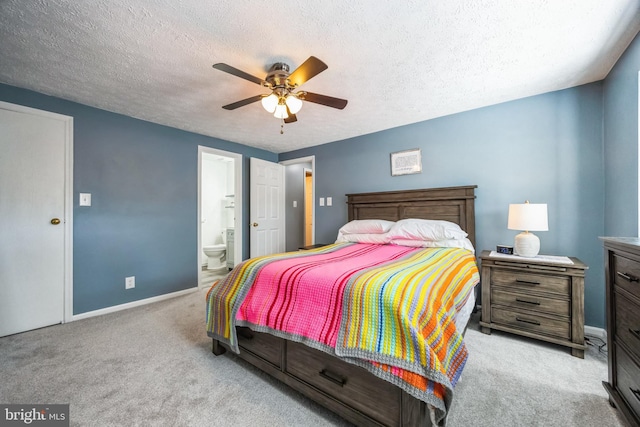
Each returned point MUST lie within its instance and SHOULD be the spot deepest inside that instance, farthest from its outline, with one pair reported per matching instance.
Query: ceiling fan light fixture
(294, 103)
(281, 111)
(270, 102)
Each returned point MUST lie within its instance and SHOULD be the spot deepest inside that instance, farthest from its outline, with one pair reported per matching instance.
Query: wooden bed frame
(348, 390)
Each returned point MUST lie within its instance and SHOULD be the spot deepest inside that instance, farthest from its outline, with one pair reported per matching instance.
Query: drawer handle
(528, 302)
(635, 392)
(635, 333)
(246, 334)
(628, 277)
(533, 322)
(334, 378)
(527, 282)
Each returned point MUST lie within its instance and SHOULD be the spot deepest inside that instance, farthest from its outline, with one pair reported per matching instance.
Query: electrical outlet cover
(130, 282)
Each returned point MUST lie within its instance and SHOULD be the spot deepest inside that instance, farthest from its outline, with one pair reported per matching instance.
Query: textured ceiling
(396, 62)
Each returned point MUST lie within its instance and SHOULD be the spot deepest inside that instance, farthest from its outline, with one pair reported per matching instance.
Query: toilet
(215, 255)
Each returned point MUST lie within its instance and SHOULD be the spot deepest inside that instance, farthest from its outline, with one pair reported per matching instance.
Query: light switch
(321, 201)
(295, 203)
(329, 201)
(85, 199)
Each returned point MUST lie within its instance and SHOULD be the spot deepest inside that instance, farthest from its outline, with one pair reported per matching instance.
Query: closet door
(32, 219)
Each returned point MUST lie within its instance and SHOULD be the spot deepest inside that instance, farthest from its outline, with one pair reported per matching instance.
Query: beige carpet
(153, 365)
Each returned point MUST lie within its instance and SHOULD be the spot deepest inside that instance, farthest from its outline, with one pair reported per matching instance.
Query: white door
(32, 218)
(267, 208)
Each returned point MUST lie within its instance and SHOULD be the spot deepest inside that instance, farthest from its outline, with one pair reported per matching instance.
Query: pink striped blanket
(387, 308)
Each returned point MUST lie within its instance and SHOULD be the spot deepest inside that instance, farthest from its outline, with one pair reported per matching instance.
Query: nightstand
(534, 298)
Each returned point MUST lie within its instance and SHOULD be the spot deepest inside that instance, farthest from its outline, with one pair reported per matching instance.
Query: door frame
(237, 211)
(67, 121)
(313, 239)
(312, 160)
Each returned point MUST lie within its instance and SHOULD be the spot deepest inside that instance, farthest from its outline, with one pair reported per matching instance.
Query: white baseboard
(132, 304)
(595, 332)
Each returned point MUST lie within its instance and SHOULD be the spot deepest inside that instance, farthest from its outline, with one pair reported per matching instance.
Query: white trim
(308, 159)
(595, 332)
(133, 304)
(237, 224)
(67, 315)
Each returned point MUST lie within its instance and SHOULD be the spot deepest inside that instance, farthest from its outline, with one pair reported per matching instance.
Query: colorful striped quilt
(387, 308)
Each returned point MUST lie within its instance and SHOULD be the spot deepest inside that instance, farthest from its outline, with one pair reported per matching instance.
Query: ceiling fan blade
(309, 68)
(329, 101)
(291, 117)
(238, 73)
(242, 103)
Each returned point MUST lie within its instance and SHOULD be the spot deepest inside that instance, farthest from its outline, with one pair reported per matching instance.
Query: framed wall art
(406, 162)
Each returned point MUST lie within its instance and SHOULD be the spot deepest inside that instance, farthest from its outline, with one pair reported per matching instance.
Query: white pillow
(426, 229)
(448, 243)
(378, 239)
(366, 226)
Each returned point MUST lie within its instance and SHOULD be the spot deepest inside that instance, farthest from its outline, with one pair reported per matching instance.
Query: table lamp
(527, 217)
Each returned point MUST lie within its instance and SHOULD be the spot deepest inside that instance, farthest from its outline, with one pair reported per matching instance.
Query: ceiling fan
(284, 101)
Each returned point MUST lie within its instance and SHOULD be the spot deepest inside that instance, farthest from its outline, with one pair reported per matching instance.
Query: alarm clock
(502, 249)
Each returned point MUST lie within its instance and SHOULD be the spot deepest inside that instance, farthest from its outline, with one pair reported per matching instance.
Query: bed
(351, 380)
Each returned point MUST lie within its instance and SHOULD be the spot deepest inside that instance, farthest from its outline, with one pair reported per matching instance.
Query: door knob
(55, 221)
(255, 224)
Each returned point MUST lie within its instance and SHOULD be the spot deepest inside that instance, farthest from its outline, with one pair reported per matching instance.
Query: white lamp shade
(528, 217)
(281, 112)
(270, 102)
(294, 103)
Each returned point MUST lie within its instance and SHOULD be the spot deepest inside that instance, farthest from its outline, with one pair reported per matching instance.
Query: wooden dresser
(534, 298)
(622, 275)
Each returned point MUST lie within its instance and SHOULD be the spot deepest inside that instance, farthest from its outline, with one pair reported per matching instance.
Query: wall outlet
(130, 282)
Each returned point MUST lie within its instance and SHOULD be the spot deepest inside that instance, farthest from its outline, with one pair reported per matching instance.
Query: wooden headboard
(455, 204)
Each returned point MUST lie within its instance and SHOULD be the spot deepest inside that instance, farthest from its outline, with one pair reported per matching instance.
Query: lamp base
(527, 244)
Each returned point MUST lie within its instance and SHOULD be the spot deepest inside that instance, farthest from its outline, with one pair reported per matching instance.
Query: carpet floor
(153, 366)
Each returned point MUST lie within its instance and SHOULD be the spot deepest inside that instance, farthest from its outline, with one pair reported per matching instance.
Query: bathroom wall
(217, 183)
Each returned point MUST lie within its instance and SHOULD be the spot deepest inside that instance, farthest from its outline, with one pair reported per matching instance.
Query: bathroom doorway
(219, 213)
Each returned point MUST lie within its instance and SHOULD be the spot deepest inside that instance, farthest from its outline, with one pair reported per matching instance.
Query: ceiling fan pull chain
(282, 127)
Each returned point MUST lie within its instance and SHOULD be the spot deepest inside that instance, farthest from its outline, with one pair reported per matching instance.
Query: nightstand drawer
(627, 323)
(560, 307)
(530, 282)
(539, 323)
(627, 274)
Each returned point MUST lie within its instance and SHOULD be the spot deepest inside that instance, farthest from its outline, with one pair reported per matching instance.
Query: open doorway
(299, 202)
(219, 213)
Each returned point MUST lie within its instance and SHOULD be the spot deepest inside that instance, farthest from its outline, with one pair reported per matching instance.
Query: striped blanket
(387, 308)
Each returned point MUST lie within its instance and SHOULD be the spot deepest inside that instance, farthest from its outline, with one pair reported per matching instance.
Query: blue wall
(576, 150)
(546, 148)
(621, 144)
(143, 218)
